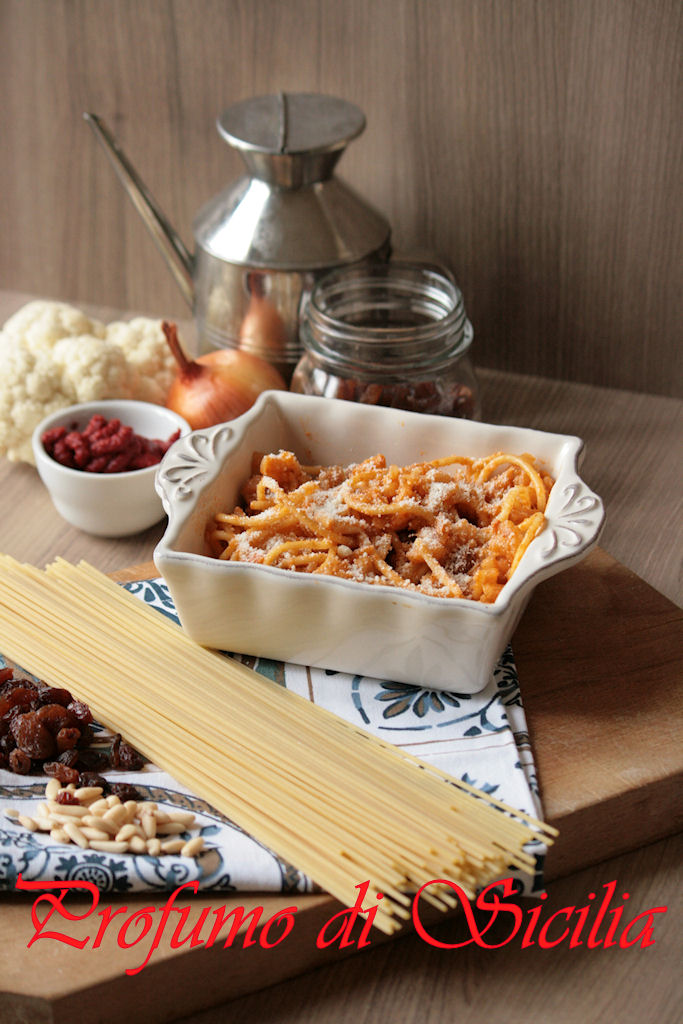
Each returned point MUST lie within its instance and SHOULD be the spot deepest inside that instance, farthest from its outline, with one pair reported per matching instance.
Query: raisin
(61, 772)
(7, 743)
(93, 779)
(92, 760)
(124, 756)
(56, 717)
(19, 762)
(69, 758)
(66, 797)
(124, 791)
(13, 713)
(130, 759)
(67, 739)
(32, 737)
(80, 711)
(55, 695)
(87, 735)
(24, 697)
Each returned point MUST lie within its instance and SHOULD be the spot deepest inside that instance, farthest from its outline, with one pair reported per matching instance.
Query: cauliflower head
(52, 355)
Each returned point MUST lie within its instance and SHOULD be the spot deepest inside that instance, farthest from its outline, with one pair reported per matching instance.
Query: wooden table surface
(633, 449)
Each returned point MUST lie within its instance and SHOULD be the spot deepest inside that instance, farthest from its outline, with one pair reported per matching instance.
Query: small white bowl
(440, 643)
(107, 504)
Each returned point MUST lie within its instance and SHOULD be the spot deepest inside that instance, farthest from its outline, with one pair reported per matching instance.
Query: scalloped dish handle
(575, 526)
(192, 462)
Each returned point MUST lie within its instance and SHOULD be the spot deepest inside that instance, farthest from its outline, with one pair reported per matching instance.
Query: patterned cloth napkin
(480, 738)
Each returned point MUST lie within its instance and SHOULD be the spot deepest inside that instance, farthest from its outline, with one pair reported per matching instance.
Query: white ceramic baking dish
(364, 629)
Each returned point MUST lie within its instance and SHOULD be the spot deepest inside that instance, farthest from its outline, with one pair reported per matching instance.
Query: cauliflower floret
(40, 324)
(31, 388)
(93, 368)
(144, 345)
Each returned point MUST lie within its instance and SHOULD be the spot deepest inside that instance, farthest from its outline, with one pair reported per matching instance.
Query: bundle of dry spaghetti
(340, 804)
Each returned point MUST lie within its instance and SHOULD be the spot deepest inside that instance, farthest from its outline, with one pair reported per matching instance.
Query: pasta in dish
(452, 527)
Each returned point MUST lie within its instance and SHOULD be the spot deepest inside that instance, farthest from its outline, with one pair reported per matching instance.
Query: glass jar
(393, 334)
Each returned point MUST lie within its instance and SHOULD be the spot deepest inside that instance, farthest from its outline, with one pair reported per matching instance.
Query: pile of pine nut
(107, 824)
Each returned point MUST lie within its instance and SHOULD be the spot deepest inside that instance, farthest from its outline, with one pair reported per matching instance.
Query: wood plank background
(534, 145)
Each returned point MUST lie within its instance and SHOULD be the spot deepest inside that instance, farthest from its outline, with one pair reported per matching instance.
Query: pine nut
(62, 819)
(95, 821)
(108, 846)
(172, 828)
(71, 810)
(99, 806)
(192, 847)
(154, 847)
(127, 832)
(116, 815)
(149, 825)
(11, 812)
(59, 835)
(185, 817)
(27, 822)
(52, 788)
(173, 845)
(95, 833)
(86, 794)
(131, 809)
(113, 801)
(74, 833)
(137, 844)
(44, 824)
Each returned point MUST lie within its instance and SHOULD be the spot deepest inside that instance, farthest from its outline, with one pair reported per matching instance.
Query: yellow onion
(218, 386)
(262, 329)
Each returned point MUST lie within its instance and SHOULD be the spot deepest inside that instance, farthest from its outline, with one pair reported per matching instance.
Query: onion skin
(217, 386)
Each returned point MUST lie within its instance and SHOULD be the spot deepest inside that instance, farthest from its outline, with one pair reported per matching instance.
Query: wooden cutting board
(598, 654)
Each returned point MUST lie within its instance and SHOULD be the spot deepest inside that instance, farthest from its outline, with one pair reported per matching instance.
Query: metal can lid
(291, 123)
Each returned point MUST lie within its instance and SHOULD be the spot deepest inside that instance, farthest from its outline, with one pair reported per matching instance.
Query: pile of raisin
(439, 398)
(44, 729)
(104, 446)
